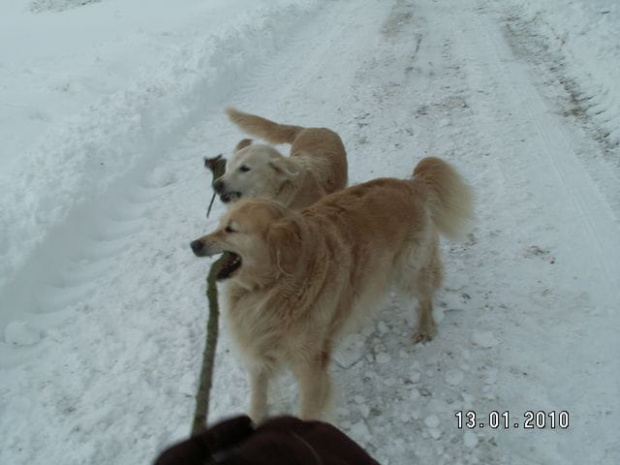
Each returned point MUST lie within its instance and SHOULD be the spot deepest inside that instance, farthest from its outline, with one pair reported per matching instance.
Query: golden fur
(317, 165)
(297, 281)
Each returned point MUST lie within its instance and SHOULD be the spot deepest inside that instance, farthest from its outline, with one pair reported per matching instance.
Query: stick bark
(216, 166)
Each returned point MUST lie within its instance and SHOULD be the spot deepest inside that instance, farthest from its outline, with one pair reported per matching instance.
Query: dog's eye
(244, 168)
(228, 229)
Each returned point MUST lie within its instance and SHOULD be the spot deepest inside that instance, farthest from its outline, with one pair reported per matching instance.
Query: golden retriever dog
(296, 281)
(317, 164)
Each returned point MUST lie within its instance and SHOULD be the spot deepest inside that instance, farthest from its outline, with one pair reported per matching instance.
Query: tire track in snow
(593, 212)
(535, 149)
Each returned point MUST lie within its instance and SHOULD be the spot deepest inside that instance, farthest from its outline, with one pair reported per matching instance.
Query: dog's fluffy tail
(451, 199)
(267, 130)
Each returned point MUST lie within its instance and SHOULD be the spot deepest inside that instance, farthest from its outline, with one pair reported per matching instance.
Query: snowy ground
(106, 110)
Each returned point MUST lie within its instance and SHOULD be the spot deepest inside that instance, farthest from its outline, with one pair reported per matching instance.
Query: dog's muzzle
(202, 248)
(226, 196)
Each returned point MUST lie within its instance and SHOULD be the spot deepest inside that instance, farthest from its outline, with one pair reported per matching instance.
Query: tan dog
(297, 281)
(317, 165)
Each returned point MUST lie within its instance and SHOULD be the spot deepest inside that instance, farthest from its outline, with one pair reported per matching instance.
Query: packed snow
(106, 111)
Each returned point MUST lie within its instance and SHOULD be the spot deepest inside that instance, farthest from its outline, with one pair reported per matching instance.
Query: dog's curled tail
(451, 199)
(267, 130)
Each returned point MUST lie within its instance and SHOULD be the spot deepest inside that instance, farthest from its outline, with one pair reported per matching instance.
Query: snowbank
(587, 33)
(99, 92)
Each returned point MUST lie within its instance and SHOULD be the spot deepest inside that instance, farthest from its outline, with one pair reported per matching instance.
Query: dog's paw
(421, 336)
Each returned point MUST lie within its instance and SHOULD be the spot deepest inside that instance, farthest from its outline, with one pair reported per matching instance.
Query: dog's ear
(285, 243)
(284, 167)
(243, 144)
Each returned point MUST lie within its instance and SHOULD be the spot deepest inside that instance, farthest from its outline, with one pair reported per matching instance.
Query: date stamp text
(540, 419)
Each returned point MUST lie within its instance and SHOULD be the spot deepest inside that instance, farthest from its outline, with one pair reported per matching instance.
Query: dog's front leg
(314, 387)
(259, 385)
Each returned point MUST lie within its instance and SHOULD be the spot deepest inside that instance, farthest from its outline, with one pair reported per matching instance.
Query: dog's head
(254, 170)
(259, 246)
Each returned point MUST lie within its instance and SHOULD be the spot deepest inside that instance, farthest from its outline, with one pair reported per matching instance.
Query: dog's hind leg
(426, 323)
(314, 385)
(429, 280)
(426, 280)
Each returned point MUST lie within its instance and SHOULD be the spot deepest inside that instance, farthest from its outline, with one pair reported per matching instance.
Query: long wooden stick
(201, 414)
(208, 359)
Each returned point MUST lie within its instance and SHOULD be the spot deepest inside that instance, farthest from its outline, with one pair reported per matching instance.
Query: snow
(484, 339)
(21, 333)
(111, 90)
(106, 110)
(454, 377)
(431, 421)
(470, 439)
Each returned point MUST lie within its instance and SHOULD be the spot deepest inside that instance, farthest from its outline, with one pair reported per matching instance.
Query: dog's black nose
(219, 186)
(196, 246)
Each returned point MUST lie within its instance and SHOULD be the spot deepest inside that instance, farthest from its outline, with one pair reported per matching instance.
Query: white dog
(317, 165)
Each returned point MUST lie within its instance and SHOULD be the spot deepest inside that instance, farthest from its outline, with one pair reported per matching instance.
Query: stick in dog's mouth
(232, 262)
(230, 196)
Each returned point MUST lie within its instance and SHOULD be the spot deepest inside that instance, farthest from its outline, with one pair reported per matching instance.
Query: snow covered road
(103, 307)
